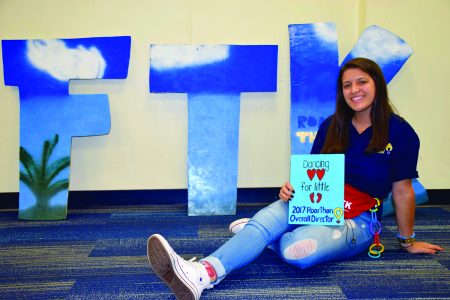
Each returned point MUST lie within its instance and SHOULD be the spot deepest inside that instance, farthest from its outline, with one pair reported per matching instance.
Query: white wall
(147, 145)
(421, 91)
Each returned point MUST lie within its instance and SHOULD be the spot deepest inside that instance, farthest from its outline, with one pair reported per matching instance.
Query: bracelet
(406, 240)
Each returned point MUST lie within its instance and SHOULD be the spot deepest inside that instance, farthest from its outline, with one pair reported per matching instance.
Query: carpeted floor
(101, 254)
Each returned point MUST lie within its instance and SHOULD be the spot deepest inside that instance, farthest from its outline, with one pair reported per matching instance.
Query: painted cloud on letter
(326, 31)
(381, 46)
(63, 63)
(183, 56)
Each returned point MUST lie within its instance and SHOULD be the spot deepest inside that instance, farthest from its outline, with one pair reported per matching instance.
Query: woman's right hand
(286, 192)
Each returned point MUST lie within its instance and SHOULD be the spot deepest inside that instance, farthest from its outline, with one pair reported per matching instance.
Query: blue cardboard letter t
(213, 76)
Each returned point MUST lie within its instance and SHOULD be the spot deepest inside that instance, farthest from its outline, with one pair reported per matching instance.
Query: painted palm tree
(39, 177)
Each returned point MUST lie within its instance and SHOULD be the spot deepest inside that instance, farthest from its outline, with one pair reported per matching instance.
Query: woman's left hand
(422, 247)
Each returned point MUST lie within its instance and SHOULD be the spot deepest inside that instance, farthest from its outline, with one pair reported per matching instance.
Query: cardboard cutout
(213, 76)
(314, 71)
(50, 117)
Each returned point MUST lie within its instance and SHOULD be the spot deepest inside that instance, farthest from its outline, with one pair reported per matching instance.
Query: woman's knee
(271, 221)
(310, 245)
(302, 253)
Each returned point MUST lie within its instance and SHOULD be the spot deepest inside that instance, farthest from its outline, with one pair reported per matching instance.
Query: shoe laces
(200, 268)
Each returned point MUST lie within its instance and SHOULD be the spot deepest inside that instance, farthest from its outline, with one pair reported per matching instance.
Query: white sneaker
(186, 279)
(237, 225)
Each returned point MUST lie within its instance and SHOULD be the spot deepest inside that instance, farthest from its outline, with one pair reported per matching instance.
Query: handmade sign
(213, 76)
(318, 181)
(50, 117)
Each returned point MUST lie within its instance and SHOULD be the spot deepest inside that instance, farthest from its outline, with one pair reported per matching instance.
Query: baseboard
(438, 197)
(90, 199)
(9, 200)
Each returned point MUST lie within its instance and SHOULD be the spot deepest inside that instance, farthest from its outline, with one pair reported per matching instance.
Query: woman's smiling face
(359, 90)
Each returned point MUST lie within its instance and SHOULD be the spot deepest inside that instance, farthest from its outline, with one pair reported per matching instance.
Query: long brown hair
(337, 139)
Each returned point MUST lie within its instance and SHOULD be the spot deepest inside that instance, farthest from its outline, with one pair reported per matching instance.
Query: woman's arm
(403, 194)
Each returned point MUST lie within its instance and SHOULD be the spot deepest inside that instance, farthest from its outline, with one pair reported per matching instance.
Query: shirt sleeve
(405, 153)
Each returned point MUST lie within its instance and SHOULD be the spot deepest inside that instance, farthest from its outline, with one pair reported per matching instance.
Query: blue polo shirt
(374, 173)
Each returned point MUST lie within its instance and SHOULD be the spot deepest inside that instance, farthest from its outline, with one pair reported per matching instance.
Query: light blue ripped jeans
(300, 245)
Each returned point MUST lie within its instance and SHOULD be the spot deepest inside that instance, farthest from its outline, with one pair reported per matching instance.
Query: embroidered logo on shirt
(387, 150)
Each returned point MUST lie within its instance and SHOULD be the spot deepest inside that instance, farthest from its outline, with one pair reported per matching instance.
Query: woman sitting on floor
(361, 127)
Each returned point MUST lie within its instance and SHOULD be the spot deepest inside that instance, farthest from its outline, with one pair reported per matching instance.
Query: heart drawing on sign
(320, 173)
(311, 173)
